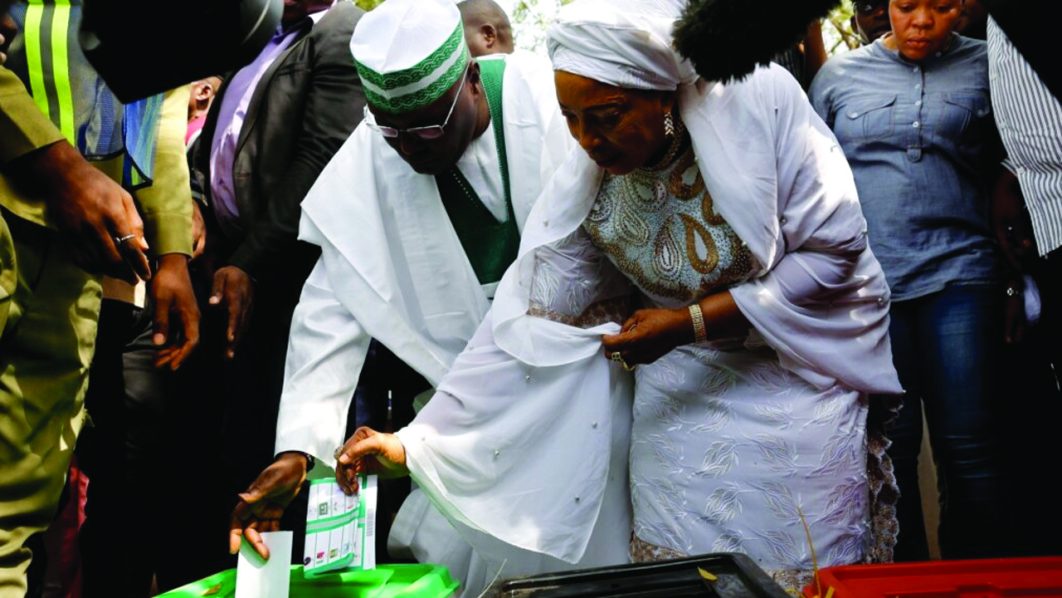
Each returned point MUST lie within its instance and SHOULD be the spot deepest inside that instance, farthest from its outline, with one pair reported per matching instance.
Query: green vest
(490, 245)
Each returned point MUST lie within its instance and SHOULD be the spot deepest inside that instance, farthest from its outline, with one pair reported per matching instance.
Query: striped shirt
(1029, 118)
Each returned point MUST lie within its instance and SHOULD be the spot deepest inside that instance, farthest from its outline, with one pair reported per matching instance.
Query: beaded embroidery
(661, 229)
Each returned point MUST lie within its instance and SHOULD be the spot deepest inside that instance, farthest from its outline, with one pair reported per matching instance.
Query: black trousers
(141, 455)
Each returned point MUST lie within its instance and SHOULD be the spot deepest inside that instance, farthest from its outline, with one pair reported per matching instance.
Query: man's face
(436, 156)
(871, 19)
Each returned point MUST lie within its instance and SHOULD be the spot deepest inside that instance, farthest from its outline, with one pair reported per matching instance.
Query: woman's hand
(650, 334)
(369, 451)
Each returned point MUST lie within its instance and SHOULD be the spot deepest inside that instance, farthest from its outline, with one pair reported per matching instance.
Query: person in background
(974, 21)
(66, 221)
(272, 128)
(417, 217)
(804, 59)
(487, 27)
(1027, 205)
(129, 391)
(912, 113)
(870, 19)
(200, 98)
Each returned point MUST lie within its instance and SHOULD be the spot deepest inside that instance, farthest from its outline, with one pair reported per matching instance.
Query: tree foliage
(368, 4)
(837, 30)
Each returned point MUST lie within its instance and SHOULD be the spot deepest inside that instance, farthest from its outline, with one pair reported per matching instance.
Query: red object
(62, 577)
(986, 578)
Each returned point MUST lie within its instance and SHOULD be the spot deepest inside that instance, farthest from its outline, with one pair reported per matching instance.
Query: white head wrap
(625, 43)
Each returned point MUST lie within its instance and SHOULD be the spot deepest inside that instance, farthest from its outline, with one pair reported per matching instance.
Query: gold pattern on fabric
(694, 231)
(660, 228)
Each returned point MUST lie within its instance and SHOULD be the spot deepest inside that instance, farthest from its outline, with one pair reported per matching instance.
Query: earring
(669, 124)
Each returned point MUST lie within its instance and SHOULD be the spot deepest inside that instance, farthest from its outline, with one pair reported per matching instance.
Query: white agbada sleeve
(823, 305)
(325, 346)
(532, 457)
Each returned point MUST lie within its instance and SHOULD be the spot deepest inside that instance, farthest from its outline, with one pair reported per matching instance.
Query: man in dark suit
(273, 127)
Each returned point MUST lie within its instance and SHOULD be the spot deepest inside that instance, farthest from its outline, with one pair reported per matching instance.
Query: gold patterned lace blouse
(660, 228)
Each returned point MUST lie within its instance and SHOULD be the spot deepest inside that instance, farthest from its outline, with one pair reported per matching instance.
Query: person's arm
(326, 351)
(91, 210)
(824, 306)
(23, 128)
(826, 296)
(167, 209)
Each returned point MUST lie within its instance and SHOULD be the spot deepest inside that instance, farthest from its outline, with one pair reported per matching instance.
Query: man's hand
(262, 505)
(234, 290)
(199, 232)
(176, 312)
(94, 213)
(650, 334)
(1011, 224)
(369, 451)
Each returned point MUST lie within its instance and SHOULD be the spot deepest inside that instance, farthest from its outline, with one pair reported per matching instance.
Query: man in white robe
(417, 216)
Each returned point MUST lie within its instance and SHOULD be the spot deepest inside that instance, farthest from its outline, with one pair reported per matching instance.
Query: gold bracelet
(700, 332)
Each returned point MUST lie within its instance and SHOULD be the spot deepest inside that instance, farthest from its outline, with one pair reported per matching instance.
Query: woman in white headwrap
(720, 223)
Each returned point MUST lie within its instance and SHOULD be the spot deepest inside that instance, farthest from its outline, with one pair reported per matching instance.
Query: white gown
(510, 443)
(728, 448)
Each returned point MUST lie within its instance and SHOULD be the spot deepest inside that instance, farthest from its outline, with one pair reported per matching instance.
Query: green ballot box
(385, 581)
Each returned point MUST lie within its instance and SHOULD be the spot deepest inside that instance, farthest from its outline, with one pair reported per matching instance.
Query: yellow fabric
(167, 204)
(46, 347)
(48, 313)
(23, 129)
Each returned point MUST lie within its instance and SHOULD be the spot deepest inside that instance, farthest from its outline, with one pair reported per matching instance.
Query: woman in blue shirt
(912, 113)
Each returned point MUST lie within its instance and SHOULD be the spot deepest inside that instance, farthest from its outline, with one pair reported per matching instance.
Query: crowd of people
(598, 309)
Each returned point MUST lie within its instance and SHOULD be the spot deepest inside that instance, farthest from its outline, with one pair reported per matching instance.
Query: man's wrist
(173, 260)
(310, 461)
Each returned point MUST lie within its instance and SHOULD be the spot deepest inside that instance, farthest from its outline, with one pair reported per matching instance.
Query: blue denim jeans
(947, 347)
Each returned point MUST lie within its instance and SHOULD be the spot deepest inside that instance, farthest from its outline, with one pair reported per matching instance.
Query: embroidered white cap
(409, 52)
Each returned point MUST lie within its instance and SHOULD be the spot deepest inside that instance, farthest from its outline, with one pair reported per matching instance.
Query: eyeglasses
(427, 133)
(869, 6)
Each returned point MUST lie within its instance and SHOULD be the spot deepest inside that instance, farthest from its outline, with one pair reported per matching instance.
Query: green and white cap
(409, 52)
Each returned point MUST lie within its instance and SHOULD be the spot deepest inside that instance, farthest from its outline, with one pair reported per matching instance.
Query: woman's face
(621, 129)
(921, 28)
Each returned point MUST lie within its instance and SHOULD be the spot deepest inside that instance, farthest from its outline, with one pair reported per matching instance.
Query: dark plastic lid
(736, 576)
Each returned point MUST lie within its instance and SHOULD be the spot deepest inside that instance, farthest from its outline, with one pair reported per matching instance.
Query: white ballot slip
(259, 578)
(340, 529)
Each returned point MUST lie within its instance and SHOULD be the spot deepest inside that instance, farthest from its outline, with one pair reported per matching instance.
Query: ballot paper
(259, 578)
(340, 529)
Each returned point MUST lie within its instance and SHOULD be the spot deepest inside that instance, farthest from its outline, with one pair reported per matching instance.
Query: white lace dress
(729, 450)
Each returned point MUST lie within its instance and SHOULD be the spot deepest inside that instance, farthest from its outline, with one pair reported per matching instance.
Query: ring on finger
(618, 358)
(122, 239)
(336, 453)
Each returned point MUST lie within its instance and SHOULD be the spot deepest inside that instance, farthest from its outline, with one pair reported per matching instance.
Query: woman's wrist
(697, 323)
